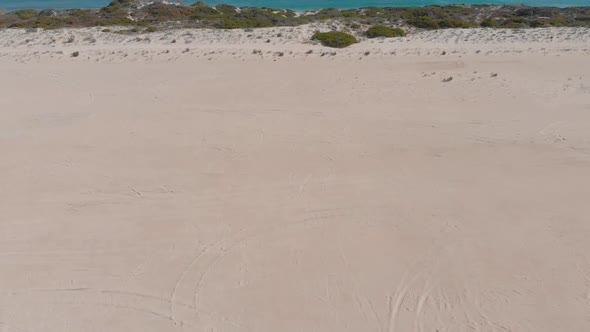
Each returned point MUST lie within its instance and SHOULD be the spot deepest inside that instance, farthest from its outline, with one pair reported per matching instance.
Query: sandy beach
(251, 180)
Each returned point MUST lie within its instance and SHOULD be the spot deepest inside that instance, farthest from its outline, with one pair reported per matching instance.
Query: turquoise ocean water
(292, 4)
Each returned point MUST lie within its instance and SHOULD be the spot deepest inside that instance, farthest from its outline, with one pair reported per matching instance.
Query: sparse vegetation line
(199, 15)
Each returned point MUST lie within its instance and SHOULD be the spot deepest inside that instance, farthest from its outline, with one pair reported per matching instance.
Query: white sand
(146, 187)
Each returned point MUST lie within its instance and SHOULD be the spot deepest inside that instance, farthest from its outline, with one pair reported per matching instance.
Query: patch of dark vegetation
(354, 26)
(161, 12)
(162, 15)
(425, 22)
(384, 31)
(489, 23)
(226, 9)
(455, 23)
(335, 39)
(115, 21)
(26, 14)
(253, 17)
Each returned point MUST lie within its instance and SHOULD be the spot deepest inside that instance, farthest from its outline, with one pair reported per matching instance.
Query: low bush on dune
(115, 21)
(424, 22)
(489, 23)
(513, 23)
(354, 26)
(428, 23)
(53, 22)
(226, 9)
(265, 16)
(26, 14)
(201, 11)
(252, 17)
(161, 12)
(328, 14)
(558, 21)
(384, 31)
(554, 21)
(335, 39)
(455, 23)
(115, 9)
(243, 24)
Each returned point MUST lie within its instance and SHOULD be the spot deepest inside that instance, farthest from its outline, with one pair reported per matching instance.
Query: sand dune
(201, 186)
(95, 45)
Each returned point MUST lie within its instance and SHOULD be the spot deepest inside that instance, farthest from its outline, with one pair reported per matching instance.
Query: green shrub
(454, 23)
(199, 4)
(26, 14)
(489, 23)
(424, 22)
(354, 26)
(115, 9)
(558, 21)
(115, 21)
(151, 29)
(106, 30)
(384, 31)
(287, 13)
(226, 9)
(328, 13)
(232, 23)
(525, 12)
(349, 13)
(264, 17)
(80, 13)
(166, 12)
(513, 23)
(125, 3)
(538, 23)
(201, 11)
(47, 22)
(372, 12)
(335, 39)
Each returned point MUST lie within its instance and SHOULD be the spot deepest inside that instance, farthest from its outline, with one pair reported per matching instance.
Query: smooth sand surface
(147, 187)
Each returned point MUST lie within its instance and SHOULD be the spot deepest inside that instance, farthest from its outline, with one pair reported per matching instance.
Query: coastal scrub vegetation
(335, 39)
(162, 15)
(26, 14)
(384, 31)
